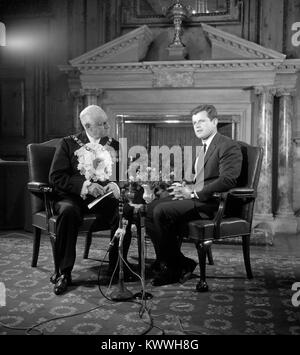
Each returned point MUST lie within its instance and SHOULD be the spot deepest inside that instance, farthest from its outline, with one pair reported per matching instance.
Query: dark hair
(210, 109)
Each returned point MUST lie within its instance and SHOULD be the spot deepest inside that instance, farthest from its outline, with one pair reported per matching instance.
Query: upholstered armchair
(39, 156)
(234, 216)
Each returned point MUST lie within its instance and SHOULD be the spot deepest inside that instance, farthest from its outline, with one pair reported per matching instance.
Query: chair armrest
(35, 186)
(46, 190)
(238, 192)
(220, 195)
(242, 192)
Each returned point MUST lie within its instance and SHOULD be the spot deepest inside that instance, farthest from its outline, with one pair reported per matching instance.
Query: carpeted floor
(234, 304)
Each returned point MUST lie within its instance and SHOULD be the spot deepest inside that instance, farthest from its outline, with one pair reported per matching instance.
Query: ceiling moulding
(131, 47)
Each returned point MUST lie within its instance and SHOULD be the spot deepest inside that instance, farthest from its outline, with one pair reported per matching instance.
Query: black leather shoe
(187, 270)
(167, 276)
(202, 286)
(54, 277)
(62, 283)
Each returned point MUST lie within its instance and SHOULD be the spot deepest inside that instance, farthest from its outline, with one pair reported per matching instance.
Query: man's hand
(95, 189)
(180, 191)
(112, 186)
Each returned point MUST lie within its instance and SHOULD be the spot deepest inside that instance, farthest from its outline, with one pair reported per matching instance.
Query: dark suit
(165, 218)
(70, 206)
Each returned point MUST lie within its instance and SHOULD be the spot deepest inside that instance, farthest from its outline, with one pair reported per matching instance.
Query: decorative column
(285, 218)
(263, 206)
(78, 105)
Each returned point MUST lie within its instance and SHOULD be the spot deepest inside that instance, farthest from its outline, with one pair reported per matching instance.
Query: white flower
(94, 162)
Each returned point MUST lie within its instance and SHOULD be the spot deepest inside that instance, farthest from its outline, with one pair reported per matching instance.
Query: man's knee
(159, 211)
(69, 210)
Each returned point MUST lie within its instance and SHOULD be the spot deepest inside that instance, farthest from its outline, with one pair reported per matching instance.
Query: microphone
(120, 232)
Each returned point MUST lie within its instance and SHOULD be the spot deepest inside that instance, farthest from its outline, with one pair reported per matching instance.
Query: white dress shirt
(207, 143)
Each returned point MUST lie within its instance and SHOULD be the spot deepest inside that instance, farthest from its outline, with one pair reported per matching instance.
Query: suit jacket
(222, 166)
(64, 175)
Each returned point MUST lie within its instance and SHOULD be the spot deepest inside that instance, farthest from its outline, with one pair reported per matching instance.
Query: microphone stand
(122, 293)
(143, 295)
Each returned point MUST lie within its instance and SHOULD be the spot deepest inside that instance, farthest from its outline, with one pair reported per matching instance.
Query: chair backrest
(251, 166)
(249, 177)
(39, 157)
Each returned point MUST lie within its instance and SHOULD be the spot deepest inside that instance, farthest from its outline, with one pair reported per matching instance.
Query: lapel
(83, 137)
(103, 140)
(212, 147)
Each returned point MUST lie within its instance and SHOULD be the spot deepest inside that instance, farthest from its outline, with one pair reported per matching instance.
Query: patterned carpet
(234, 304)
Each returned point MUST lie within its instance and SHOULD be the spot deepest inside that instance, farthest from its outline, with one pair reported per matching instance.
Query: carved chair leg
(210, 256)
(246, 253)
(36, 245)
(53, 244)
(202, 252)
(88, 242)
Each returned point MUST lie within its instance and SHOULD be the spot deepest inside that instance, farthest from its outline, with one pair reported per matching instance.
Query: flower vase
(148, 195)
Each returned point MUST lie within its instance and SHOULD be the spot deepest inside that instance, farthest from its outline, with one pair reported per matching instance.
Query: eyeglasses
(104, 125)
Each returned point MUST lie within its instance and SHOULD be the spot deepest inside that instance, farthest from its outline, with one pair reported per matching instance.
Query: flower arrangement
(151, 183)
(95, 161)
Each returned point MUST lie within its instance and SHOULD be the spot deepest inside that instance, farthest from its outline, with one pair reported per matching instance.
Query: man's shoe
(62, 284)
(201, 286)
(166, 277)
(187, 270)
(54, 277)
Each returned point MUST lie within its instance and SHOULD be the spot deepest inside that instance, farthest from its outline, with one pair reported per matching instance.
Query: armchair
(234, 216)
(39, 156)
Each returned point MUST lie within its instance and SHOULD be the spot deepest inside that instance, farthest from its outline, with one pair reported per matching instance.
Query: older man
(73, 192)
(220, 167)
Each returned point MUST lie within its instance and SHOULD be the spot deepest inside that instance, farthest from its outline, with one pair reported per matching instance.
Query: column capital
(76, 94)
(285, 91)
(296, 140)
(259, 90)
(91, 92)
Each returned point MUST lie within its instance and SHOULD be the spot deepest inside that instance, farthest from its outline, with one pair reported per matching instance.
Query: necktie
(199, 170)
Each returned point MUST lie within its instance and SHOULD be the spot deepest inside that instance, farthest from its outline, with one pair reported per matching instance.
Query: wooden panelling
(12, 108)
(271, 18)
(292, 29)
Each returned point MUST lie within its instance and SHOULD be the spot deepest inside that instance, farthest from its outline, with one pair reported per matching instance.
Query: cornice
(275, 90)
(136, 42)
(239, 45)
(210, 65)
(289, 66)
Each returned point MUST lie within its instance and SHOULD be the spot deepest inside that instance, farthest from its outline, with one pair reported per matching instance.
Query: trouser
(70, 213)
(166, 223)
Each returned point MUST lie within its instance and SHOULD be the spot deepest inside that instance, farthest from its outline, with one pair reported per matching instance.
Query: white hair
(92, 111)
